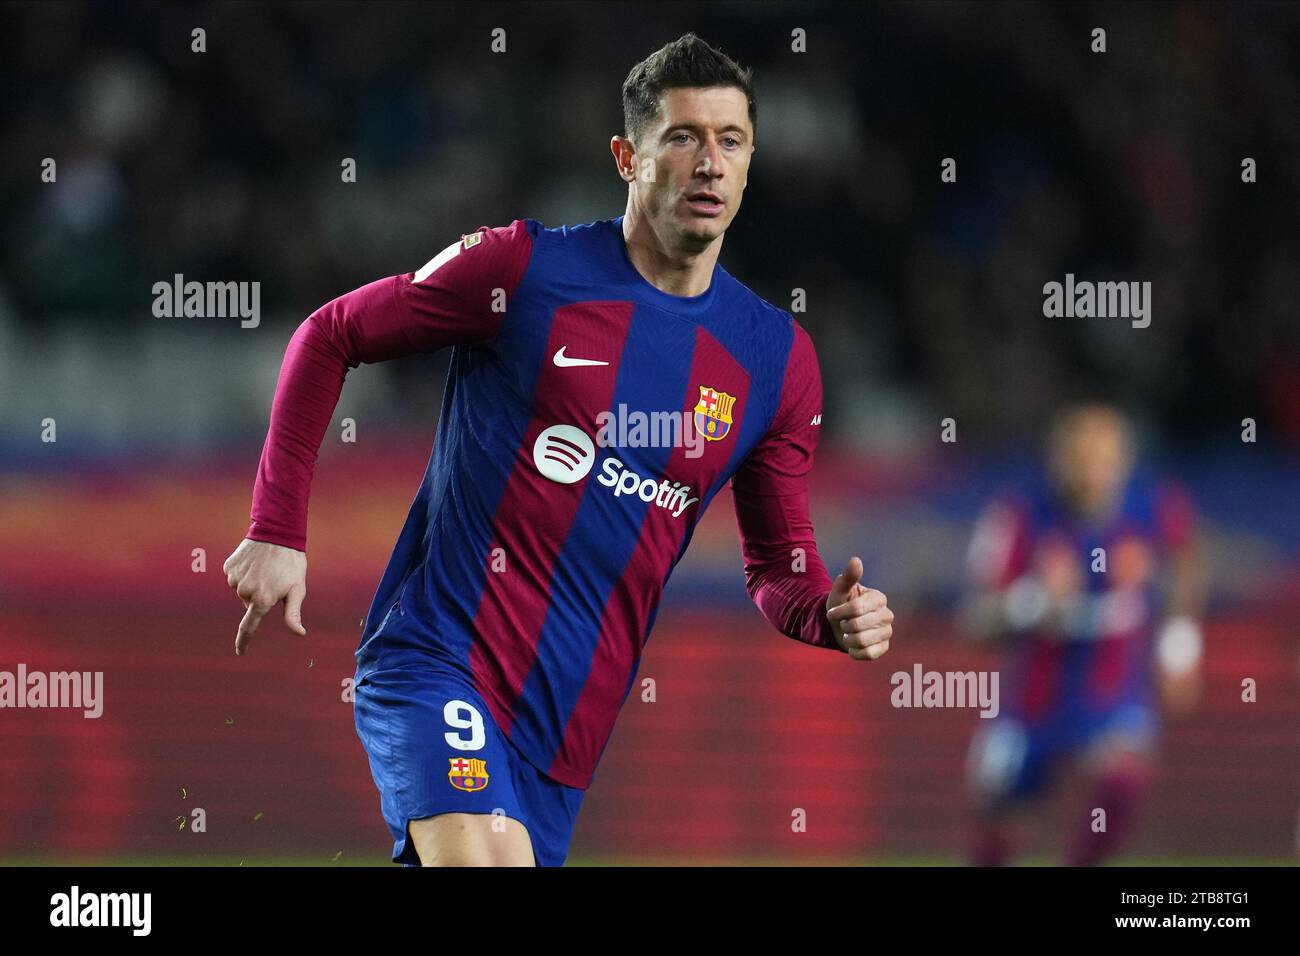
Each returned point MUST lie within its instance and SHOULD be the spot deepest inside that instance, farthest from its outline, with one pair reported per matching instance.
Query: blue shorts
(434, 748)
(1010, 761)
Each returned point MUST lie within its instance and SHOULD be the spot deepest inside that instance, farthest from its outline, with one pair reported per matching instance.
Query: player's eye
(681, 136)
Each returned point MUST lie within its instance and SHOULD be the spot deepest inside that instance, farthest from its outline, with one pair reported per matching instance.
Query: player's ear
(623, 152)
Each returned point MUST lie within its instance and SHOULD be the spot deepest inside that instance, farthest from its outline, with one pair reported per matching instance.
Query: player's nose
(710, 160)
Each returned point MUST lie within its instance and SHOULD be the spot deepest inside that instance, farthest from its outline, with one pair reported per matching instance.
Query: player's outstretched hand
(863, 622)
(263, 575)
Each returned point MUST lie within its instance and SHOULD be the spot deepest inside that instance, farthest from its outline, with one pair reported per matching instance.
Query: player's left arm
(1179, 643)
(784, 574)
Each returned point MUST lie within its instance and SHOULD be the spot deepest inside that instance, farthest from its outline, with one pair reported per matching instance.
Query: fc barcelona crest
(468, 775)
(713, 413)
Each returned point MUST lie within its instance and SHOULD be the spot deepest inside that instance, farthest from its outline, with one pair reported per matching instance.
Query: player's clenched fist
(863, 622)
(263, 575)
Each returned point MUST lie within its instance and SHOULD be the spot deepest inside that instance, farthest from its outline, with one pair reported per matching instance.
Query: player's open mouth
(705, 204)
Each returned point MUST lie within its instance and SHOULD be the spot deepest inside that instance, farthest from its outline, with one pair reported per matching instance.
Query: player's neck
(668, 270)
(1098, 512)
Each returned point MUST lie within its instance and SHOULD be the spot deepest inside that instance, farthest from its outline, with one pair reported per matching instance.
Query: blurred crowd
(924, 297)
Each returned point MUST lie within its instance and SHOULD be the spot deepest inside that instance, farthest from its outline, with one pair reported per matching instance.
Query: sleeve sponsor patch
(442, 258)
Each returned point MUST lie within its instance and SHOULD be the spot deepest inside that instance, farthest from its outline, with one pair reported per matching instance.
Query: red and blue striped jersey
(1105, 659)
(589, 418)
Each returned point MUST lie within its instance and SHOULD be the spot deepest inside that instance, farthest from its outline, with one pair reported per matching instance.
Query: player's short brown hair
(686, 62)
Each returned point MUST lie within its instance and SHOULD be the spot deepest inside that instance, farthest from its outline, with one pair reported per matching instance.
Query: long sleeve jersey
(588, 420)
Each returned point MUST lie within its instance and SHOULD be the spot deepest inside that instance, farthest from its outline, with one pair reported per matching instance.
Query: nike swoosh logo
(563, 361)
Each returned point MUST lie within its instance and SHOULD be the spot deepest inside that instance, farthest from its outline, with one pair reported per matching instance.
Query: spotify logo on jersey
(564, 453)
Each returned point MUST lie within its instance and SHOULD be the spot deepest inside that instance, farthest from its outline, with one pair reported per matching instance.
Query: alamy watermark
(922, 688)
(208, 300)
(75, 908)
(79, 690)
(1103, 300)
(659, 429)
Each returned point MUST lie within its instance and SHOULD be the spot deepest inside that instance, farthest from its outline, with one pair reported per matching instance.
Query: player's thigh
(471, 839)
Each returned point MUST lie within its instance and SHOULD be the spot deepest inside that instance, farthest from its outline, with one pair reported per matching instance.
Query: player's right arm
(1000, 589)
(453, 299)
(1179, 641)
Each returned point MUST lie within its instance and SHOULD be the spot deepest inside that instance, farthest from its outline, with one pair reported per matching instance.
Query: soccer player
(1068, 573)
(506, 631)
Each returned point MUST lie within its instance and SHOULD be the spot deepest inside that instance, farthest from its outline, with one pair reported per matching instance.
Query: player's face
(1091, 459)
(700, 150)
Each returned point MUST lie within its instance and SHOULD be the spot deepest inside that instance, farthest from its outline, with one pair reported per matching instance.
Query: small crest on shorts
(472, 239)
(468, 774)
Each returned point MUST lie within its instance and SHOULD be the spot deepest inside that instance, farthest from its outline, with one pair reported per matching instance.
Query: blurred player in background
(1067, 574)
(506, 632)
